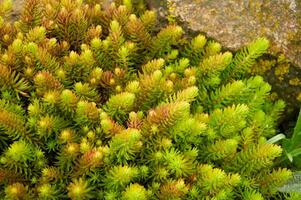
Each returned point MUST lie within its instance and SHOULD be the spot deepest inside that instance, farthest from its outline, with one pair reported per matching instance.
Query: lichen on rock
(235, 22)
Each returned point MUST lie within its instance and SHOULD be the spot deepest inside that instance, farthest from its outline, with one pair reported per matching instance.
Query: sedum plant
(97, 103)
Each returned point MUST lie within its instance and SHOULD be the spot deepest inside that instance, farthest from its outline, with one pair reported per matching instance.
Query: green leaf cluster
(97, 103)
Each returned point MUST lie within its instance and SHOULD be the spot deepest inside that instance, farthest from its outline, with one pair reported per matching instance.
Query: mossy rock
(235, 23)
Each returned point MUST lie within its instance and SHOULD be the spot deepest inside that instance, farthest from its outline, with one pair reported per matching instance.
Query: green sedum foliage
(97, 103)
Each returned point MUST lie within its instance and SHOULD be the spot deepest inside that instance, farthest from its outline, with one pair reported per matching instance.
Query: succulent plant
(97, 103)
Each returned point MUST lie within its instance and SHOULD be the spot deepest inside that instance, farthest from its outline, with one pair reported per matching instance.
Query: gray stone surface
(237, 22)
(17, 9)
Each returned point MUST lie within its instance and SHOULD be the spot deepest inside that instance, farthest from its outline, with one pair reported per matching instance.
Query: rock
(17, 9)
(236, 22)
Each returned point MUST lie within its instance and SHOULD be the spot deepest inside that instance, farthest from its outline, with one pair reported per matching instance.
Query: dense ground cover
(99, 104)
